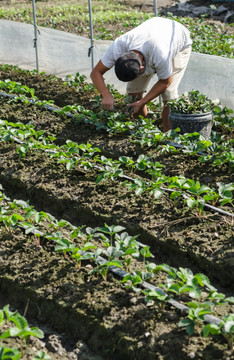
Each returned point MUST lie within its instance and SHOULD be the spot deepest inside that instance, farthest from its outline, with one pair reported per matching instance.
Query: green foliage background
(111, 19)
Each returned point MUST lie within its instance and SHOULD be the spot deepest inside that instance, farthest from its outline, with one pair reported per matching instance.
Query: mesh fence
(62, 54)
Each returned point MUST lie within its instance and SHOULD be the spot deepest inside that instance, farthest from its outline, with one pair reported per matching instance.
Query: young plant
(157, 296)
(107, 233)
(103, 266)
(225, 328)
(228, 329)
(196, 316)
(128, 245)
(21, 328)
(145, 252)
(225, 192)
(9, 353)
(78, 253)
(41, 355)
(132, 281)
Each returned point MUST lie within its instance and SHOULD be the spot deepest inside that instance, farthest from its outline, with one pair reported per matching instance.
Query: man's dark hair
(127, 66)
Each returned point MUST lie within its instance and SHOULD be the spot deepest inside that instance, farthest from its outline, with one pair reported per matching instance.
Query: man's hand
(98, 81)
(108, 102)
(137, 106)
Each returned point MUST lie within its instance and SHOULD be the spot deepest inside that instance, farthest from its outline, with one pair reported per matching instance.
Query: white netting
(62, 54)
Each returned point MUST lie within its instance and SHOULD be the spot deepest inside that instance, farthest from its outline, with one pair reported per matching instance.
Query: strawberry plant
(196, 316)
(21, 330)
(191, 102)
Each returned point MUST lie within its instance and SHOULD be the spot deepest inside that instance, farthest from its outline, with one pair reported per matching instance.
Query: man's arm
(99, 83)
(156, 90)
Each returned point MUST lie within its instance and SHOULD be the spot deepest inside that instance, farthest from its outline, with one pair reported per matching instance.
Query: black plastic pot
(189, 123)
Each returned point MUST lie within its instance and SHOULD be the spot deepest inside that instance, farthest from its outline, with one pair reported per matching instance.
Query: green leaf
(64, 245)
(139, 190)
(8, 313)
(116, 263)
(185, 322)
(15, 218)
(34, 331)
(190, 329)
(145, 252)
(9, 354)
(118, 228)
(69, 165)
(191, 202)
(41, 355)
(11, 332)
(229, 326)
(1, 317)
(158, 193)
(88, 246)
(212, 329)
(230, 299)
(19, 321)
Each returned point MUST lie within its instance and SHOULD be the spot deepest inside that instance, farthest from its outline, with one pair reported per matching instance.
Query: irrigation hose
(121, 273)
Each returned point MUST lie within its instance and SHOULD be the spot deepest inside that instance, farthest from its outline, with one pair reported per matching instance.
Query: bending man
(157, 46)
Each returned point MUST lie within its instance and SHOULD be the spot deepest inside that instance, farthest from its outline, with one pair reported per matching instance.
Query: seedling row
(119, 249)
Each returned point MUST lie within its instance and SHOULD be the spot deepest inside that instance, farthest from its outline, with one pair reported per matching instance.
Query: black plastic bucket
(189, 123)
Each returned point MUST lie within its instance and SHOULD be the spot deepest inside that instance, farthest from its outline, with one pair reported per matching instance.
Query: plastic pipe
(121, 273)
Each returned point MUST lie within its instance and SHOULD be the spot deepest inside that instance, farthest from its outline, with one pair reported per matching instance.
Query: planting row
(144, 132)
(84, 156)
(87, 247)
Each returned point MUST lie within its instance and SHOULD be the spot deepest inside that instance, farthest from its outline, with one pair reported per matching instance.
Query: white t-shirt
(158, 39)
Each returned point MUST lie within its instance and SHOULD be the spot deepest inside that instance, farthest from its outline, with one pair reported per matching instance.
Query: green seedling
(184, 281)
(110, 171)
(103, 266)
(143, 162)
(215, 298)
(9, 353)
(128, 245)
(155, 189)
(78, 253)
(128, 162)
(107, 233)
(82, 253)
(226, 192)
(157, 296)
(21, 328)
(41, 355)
(139, 186)
(145, 252)
(196, 316)
(16, 87)
(77, 81)
(11, 221)
(228, 329)
(132, 281)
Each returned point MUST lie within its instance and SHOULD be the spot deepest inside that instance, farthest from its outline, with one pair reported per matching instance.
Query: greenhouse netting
(62, 54)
